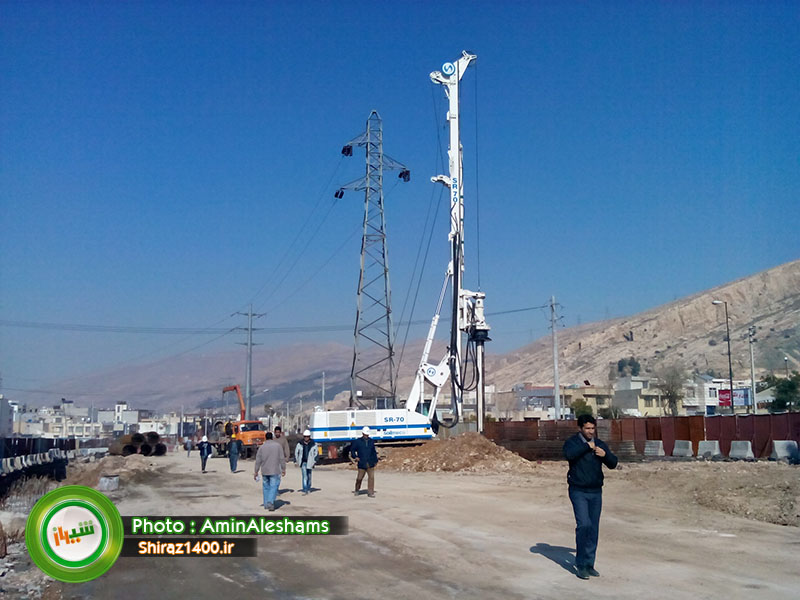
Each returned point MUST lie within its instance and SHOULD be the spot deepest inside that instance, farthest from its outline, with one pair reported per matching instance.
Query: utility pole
(181, 433)
(374, 300)
(752, 338)
(323, 390)
(556, 388)
(730, 358)
(248, 390)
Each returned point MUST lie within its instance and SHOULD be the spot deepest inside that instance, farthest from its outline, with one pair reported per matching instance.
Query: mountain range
(689, 332)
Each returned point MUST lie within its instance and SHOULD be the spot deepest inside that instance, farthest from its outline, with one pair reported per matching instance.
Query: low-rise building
(6, 417)
(84, 430)
(640, 402)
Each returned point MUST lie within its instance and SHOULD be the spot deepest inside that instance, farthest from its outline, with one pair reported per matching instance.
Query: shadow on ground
(561, 555)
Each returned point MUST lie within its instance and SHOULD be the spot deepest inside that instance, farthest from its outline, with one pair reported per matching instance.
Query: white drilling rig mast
(468, 312)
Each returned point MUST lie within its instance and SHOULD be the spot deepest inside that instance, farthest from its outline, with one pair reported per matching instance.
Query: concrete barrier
(683, 448)
(783, 449)
(742, 450)
(708, 449)
(653, 448)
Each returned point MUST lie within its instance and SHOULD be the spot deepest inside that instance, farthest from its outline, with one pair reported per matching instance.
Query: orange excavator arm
(238, 390)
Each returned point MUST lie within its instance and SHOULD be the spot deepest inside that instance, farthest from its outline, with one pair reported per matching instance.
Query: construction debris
(469, 452)
(126, 468)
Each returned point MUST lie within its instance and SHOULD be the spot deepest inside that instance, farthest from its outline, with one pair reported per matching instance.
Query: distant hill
(196, 380)
(690, 331)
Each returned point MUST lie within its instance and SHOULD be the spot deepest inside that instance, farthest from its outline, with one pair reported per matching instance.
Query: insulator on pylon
(347, 150)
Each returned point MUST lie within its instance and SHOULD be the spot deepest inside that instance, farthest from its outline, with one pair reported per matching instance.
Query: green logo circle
(74, 534)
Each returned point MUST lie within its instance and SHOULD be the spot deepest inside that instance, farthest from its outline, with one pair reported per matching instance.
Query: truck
(251, 432)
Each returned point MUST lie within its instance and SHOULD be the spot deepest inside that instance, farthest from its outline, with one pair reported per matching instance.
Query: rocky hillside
(689, 331)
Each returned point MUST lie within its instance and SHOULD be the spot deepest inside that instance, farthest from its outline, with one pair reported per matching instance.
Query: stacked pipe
(124, 446)
(150, 444)
(147, 444)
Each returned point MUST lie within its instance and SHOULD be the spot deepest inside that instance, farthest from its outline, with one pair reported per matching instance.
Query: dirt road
(451, 535)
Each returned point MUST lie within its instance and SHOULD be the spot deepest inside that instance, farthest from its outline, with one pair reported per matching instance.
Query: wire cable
(300, 231)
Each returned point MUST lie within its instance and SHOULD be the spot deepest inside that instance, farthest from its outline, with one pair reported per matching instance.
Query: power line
(216, 330)
(300, 231)
(113, 328)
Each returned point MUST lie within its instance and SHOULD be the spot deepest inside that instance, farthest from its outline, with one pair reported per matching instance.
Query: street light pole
(786, 365)
(730, 360)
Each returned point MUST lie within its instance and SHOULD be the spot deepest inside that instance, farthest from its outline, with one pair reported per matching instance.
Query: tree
(610, 412)
(786, 394)
(767, 382)
(505, 405)
(579, 407)
(629, 366)
(671, 380)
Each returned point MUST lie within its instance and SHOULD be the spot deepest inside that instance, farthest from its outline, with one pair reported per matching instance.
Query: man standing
(205, 451)
(587, 455)
(363, 449)
(271, 461)
(234, 449)
(305, 456)
(188, 447)
(283, 441)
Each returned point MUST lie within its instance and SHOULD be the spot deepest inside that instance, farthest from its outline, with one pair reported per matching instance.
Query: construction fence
(543, 440)
(21, 446)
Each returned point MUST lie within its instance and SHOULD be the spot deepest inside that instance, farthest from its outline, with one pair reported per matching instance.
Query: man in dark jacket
(587, 455)
(363, 449)
(205, 451)
(283, 441)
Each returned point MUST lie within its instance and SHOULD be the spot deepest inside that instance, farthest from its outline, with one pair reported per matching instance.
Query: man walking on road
(305, 456)
(363, 449)
(587, 455)
(283, 441)
(234, 449)
(271, 461)
(205, 451)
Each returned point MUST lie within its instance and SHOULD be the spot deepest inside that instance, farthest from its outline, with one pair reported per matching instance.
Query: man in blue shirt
(587, 455)
(363, 449)
(234, 450)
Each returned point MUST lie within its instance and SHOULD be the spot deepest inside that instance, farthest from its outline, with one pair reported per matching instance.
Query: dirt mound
(126, 467)
(762, 491)
(470, 452)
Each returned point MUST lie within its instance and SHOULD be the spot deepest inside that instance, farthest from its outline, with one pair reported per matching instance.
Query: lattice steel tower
(373, 370)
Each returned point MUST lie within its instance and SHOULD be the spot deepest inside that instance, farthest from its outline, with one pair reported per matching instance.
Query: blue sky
(158, 160)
